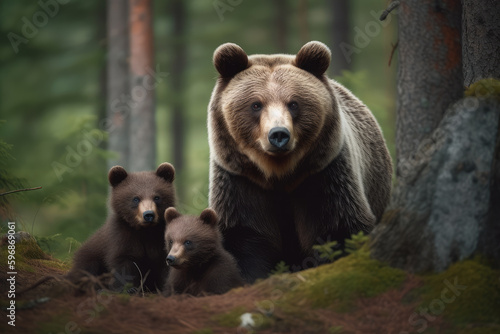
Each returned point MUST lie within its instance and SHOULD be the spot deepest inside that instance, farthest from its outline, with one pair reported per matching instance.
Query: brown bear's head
(141, 198)
(189, 240)
(269, 111)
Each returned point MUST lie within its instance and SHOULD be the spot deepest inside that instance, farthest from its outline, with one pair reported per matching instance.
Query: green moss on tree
(484, 88)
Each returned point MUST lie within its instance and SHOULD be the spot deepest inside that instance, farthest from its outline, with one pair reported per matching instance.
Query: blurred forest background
(54, 95)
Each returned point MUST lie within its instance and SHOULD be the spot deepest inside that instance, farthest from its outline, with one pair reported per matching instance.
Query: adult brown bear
(295, 158)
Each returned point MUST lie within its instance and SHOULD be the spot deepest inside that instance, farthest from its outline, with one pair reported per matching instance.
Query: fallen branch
(389, 9)
(19, 190)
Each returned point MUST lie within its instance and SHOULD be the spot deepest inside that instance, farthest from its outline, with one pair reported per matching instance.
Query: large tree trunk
(481, 59)
(430, 71)
(142, 117)
(481, 40)
(178, 69)
(417, 233)
(445, 204)
(117, 82)
(340, 28)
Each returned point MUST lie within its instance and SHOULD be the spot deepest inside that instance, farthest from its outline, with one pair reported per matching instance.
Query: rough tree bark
(178, 71)
(117, 82)
(430, 70)
(481, 40)
(142, 116)
(427, 226)
(340, 32)
(481, 59)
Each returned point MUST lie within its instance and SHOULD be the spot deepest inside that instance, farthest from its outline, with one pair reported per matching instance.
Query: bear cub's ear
(171, 213)
(116, 175)
(166, 171)
(230, 59)
(208, 216)
(314, 57)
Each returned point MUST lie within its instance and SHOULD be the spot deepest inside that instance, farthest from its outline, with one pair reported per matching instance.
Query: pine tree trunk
(481, 40)
(178, 71)
(142, 117)
(481, 59)
(340, 28)
(430, 71)
(118, 113)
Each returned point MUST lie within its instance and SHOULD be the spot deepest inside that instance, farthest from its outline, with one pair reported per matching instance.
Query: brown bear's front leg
(247, 221)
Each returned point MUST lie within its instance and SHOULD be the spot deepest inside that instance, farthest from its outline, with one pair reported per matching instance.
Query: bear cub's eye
(188, 243)
(256, 106)
(170, 242)
(136, 200)
(156, 198)
(293, 105)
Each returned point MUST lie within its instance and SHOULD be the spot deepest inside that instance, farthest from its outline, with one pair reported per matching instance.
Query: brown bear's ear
(314, 57)
(116, 175)
(170, 214)
(230, 59)
(208, 216)
(166, 171)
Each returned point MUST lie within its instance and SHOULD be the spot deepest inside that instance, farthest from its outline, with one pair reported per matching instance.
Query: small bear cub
(131, 242)
(198, 263)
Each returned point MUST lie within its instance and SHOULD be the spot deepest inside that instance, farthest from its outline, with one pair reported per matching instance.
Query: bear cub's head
(271, 108)
(191, 241)
(141, 198)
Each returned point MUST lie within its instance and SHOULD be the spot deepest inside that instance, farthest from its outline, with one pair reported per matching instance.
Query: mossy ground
(355, 294)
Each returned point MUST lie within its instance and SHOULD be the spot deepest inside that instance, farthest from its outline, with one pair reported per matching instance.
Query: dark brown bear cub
(131, 243)
(199, 264)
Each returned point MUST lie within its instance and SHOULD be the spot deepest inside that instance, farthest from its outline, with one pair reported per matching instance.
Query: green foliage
(356, 242)
(280, 268)
(8, 181)
(326, 251)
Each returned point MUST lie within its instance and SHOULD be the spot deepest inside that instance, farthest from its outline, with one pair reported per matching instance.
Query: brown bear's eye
(156, 198)
(136, 200)
(187, 243)
(293, 106)
(256, 106)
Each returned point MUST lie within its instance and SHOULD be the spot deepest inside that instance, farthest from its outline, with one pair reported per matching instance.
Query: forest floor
(355, 294)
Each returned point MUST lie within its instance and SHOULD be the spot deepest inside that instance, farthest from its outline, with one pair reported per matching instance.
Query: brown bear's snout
(148, 216)
(279, 137)
(171, 260)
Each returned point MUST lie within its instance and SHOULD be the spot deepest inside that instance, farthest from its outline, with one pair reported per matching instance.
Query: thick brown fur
(331, 180)
(128, 244)
(199, 264)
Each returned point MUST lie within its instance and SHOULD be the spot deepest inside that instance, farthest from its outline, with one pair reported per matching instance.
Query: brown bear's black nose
(279, 137)
(170, 260)
(149, 216)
